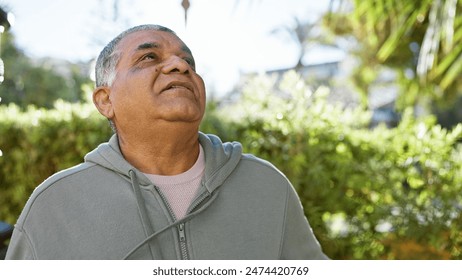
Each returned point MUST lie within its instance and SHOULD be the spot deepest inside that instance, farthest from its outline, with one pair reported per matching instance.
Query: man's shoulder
(260, 170)
(71, 173)
(66, 177)
(253, 161)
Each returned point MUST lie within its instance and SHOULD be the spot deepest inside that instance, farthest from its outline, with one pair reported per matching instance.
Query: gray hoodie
(105, 208)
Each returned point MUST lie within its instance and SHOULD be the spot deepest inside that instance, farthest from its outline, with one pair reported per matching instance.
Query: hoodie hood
(220, 160)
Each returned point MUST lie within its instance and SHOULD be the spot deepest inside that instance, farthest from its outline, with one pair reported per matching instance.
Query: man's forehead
(145, 39)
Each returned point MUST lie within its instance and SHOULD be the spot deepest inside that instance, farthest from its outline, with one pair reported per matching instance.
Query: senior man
(160, 189)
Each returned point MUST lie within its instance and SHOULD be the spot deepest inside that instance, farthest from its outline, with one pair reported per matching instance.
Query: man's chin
(183, 117)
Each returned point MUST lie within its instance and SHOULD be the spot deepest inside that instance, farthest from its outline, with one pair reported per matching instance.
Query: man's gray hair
(105, 69)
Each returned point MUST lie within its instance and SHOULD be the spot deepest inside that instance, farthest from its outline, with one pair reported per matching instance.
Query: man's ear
(102, 101)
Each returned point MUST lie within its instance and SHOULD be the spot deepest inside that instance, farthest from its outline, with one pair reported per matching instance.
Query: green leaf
(453, 73)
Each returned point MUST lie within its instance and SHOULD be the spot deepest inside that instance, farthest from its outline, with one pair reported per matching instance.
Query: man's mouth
(178, 85)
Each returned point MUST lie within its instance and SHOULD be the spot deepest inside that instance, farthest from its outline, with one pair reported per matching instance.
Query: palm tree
(303, 33)
(421, 39)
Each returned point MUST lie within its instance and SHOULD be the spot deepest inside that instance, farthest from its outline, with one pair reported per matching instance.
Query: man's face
(155, 80)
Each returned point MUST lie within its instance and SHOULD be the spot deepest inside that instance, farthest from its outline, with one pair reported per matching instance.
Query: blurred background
(357, 102)
(240, 35)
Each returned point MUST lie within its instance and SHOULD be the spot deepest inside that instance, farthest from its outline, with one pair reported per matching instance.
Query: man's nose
(175, 64)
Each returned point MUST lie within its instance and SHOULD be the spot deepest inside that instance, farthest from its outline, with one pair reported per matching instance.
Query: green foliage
(419, 39)
(369, 193)
(37, 143)
(29, 82)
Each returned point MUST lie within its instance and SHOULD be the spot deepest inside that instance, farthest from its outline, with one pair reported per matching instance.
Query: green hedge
(368, 193)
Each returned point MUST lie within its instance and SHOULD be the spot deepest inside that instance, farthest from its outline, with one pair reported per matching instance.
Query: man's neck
(163, 152)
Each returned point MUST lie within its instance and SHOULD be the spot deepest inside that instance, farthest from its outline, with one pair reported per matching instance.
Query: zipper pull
(183, 247)
(181, 232)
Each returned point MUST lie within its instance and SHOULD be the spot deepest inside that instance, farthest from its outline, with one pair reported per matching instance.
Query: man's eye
(148, 56)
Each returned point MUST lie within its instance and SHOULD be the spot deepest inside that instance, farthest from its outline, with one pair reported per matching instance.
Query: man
(160, 189)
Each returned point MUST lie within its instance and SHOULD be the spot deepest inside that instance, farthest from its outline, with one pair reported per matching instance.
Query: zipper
(164, 200)
(198, 201)
(180, 227)
(182, 236)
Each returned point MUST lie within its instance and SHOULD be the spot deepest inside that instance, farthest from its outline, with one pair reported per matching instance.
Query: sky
(227, 37)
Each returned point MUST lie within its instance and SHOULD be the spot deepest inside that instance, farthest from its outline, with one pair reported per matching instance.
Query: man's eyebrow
(153, 45)
(148, 45)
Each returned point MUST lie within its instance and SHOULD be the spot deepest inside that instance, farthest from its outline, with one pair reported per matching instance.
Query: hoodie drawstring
(148, 229)
(186, 218)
